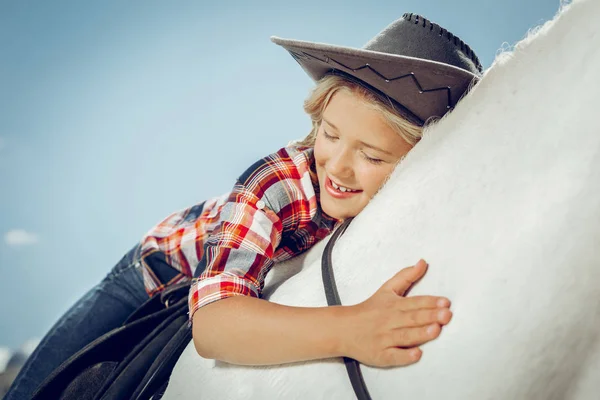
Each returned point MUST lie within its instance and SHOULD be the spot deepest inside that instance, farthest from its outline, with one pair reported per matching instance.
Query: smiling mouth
(338, 191)
(342, 188)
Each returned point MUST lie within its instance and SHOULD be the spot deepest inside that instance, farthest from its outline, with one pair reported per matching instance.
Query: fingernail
(443, 302)
(442, 314)
(431, 329)
(415, 354)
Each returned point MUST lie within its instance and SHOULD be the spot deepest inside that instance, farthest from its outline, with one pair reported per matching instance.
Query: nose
(340, 164)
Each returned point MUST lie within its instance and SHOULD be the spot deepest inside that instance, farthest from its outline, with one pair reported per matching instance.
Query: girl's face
(355, 149)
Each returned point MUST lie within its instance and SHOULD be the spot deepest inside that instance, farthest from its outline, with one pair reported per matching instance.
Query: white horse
(502, 198)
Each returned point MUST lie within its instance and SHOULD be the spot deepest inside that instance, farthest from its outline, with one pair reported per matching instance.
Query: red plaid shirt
(271, 215)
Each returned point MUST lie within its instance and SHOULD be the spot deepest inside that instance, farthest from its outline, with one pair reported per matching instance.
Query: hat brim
(426, 88)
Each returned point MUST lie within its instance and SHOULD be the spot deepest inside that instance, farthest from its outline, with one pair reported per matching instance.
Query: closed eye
(328, 136)
(375, 161)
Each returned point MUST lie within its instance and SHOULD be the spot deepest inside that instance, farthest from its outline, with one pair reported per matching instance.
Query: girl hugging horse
(368, 110)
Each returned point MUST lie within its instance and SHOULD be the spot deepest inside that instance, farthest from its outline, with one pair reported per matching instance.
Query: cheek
(373, 179)
(320, 151)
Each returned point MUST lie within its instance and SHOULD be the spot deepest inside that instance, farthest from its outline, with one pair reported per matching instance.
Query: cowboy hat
(419, 65)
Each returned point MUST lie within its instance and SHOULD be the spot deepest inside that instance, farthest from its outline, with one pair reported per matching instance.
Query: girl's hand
(387, 327)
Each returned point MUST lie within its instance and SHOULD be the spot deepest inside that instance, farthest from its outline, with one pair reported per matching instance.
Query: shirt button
(260, 204)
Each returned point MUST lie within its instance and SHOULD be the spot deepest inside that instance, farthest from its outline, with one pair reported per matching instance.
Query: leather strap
(333, 299)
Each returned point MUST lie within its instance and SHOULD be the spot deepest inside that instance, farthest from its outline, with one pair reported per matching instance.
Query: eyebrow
(360, 141)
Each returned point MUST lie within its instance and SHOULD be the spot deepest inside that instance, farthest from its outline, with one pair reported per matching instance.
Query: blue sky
(114, 114)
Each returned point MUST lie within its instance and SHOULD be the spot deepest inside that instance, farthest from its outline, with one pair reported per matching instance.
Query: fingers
(402, 323)
(418, 302)
(402, 348)
(410, 319)
(409, 337)
(395, 357)
(400, 282)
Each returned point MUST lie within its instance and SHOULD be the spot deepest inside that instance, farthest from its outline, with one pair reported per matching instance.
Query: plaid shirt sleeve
(238, 254)
(267, 201)
(170, 250)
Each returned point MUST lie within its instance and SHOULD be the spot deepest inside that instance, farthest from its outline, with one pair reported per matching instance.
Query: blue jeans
(105, 307)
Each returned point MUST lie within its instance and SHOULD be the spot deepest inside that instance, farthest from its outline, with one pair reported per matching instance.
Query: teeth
(341, 188)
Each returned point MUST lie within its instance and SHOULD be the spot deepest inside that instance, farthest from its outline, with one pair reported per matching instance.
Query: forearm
(250, 331)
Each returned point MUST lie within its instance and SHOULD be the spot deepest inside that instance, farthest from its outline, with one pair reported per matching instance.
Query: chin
(337, 213)
(334, 213)
(331, 207)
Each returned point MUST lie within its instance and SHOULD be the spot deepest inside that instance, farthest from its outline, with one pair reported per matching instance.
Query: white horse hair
(502, 198)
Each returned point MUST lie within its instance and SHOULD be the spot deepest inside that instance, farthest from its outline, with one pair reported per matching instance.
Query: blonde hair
(320, 96)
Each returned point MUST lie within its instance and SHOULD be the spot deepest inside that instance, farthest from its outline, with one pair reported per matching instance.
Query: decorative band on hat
(384, 98)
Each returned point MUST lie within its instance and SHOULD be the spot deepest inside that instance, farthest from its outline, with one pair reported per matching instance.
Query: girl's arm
(249, 331)
(384, 330)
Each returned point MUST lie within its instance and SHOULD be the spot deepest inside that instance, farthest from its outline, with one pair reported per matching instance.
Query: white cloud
(5, 355)
(29, 346)
(20, 237)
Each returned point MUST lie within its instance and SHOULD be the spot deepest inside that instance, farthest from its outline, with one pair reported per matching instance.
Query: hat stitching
(412, 75)
(451, 37)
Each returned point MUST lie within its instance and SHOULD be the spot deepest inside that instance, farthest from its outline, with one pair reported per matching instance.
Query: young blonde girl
(243, 329)
(368, 110)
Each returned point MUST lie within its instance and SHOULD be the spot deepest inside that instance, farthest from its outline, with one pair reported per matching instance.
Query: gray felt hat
(419, 65)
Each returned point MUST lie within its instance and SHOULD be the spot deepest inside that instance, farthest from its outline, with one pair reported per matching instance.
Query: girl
(368, 110)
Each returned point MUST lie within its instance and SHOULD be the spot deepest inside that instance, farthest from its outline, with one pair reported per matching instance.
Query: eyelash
(366, 157)
(328, 136)
(372, 160)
